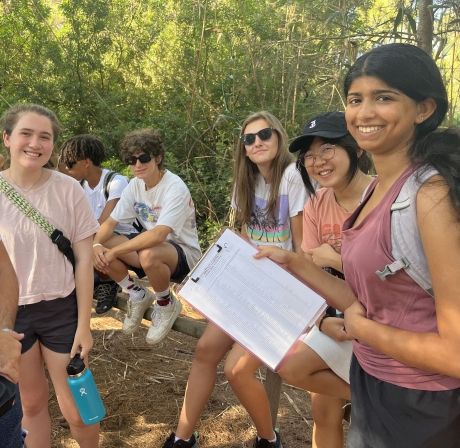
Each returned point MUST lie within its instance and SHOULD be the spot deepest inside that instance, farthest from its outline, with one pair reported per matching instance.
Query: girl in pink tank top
(405, 375)
(320, 362)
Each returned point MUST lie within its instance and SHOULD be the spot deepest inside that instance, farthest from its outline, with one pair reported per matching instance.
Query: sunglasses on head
(143, 158)
(263, 134)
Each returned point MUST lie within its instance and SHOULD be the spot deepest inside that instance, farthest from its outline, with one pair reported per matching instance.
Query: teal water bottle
(84, 391)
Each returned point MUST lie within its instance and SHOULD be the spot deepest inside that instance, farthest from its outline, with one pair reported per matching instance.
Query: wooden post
(273, 389)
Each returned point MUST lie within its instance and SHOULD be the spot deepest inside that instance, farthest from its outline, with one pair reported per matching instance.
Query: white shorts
(337, 355)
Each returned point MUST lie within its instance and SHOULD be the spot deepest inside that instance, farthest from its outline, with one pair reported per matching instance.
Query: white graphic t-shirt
(265, 230)
(169, 203)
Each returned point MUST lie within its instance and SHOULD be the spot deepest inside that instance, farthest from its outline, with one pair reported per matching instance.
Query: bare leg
(34, 391)
(327, 417)
(304, 368)
(159, 263)
(87, 436)
(118, 269)
(210, 350)
(240, 368)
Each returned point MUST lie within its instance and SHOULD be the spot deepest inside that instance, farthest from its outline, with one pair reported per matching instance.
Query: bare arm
(440, 351)
(109, 206)
(84, 279)
(105, 232)
(325, 256)
(296, 232)
(10, 347)
(9, 292)
(144, 240)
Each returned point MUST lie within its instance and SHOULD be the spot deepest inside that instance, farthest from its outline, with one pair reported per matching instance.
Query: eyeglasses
(132, 160)
(263, 134)
(326, 152)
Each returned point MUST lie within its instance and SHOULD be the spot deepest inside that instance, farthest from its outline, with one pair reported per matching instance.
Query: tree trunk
(425, 25)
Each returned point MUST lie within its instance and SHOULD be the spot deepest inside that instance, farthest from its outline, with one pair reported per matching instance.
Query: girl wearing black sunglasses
(268, 198)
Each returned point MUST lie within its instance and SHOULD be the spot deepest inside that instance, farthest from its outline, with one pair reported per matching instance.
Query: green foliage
(195, 69)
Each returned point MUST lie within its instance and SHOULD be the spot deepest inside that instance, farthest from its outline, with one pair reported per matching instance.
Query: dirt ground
(143, 386)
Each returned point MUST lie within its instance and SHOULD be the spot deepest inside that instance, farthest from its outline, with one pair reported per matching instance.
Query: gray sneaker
(163, 318)
(136, 311)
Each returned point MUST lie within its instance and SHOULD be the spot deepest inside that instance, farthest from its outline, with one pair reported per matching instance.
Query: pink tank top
(398, 301)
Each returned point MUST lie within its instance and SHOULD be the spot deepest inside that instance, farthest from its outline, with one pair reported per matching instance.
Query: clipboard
(257, 303)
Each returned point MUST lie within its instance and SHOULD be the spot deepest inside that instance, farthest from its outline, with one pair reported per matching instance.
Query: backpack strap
(107, 181)
(406, 244)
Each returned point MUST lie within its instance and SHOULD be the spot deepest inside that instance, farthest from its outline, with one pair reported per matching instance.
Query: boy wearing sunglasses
(165, 251)
(81, 157)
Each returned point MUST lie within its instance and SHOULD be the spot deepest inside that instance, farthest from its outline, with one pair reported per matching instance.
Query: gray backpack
(407, 248)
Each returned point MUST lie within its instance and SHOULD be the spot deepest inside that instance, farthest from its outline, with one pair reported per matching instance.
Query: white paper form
(258, 303)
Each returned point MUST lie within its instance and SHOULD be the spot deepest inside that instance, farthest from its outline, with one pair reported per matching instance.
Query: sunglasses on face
(70, 164)
(326, 152)
(263, 134)
(143, 158)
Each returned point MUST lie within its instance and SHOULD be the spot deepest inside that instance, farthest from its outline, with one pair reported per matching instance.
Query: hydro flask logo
(83, 391)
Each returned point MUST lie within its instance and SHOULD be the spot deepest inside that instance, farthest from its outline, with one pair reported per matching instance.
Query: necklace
(24, 190)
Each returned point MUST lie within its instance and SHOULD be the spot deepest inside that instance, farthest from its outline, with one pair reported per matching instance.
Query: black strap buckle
(63, 244)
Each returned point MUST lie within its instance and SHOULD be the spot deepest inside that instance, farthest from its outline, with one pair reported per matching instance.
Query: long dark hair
(359, 160)
(413, 72)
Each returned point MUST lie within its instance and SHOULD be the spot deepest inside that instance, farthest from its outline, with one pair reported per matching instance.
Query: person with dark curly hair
(81, 157)
(165, 250)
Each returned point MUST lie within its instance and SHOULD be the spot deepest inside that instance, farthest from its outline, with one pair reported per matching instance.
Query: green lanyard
(56, 236)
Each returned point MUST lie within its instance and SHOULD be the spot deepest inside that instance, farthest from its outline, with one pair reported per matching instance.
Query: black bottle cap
(76, 365)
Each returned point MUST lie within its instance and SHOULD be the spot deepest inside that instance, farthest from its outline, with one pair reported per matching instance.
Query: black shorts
(182, 268)
(52, 322)
(387, 416)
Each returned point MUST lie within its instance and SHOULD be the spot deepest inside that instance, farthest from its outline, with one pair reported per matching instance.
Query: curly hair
(146, 140)
(81, 147)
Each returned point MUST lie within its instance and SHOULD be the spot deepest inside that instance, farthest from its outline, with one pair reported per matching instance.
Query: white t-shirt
(265, 230)
(168, 203)
(43, 272)
(97, 201)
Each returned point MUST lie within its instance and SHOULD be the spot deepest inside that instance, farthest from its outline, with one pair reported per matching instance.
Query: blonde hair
(245, 171)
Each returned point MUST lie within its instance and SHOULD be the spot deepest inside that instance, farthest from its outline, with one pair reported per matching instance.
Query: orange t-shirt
(323, 218)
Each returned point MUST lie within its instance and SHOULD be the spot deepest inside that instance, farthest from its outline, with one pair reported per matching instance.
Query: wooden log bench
(195, 328)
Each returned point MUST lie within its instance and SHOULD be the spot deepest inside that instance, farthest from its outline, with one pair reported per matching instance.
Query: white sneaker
(163, 318)
(136, 311)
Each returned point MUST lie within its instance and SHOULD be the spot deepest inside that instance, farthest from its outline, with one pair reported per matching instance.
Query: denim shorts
(384, 415)
(11, 433)
(52, 322)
